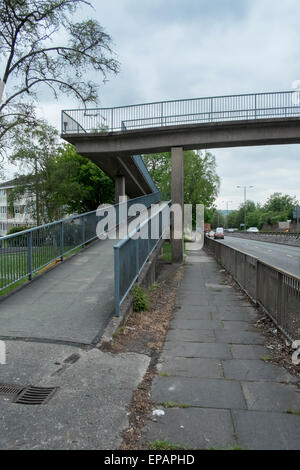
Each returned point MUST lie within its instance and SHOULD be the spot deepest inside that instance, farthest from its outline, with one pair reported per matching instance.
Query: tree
(42, 49)
(58, 180)
(80, 184)
(201, 182)
(34, 150)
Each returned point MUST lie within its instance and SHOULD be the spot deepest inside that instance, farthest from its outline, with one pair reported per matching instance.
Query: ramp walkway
(71, 303)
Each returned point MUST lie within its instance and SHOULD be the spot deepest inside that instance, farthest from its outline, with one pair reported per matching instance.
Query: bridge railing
(179, 112)
(276, 291)
(25, 253)
(132, 253)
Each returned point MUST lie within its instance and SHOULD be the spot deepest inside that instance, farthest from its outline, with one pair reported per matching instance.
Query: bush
(17, 229)
(140, 299)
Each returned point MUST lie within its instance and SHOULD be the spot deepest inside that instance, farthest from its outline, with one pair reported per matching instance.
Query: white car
(211, 234)
(253, 229)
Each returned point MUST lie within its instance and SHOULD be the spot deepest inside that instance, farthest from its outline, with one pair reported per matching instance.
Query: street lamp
(245, 200)
(227, 202)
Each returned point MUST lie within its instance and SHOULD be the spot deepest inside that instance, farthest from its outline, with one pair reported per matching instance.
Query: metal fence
(132, 253)
(24, 253)
(286, 238)
(189, 111)
(273, 289)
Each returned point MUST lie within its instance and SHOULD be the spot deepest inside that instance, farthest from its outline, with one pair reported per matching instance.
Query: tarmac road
(281, 256)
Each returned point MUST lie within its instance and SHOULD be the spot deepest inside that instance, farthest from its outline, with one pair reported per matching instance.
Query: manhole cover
(35, 395)
(10, 390)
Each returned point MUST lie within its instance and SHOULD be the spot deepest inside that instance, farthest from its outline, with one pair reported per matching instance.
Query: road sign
(296, 212)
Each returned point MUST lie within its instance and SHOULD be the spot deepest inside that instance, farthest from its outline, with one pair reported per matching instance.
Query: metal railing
(132, 253)
(24, 253)
(179, 112)
(276, 291)
(285, 238)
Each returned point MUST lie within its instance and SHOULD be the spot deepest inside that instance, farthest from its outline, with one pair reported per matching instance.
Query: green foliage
(201, 182)
(163, 444)
(58, 180)
(42, 47)
(141, 300)
(278, 208)
(17, 229)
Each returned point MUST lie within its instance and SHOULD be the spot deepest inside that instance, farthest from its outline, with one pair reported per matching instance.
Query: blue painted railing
(24, 253)
(132, 253)
(189, 111)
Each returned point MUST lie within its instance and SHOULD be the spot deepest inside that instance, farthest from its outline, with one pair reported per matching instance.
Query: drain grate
(35, 395)
(10, 390)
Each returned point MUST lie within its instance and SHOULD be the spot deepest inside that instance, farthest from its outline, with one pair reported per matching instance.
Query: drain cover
(35, 395)
(10, 390)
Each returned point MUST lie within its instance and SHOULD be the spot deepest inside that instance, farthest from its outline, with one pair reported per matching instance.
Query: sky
(173, 49)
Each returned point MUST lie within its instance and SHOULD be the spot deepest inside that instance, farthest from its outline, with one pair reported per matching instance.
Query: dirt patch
(144, 333)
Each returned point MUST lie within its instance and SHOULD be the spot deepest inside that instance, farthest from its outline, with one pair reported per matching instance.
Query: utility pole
(245, 204)
(227, 203)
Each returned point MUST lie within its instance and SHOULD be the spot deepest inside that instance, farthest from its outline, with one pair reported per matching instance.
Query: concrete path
(214, 387)
(71, 303)
(88, 411)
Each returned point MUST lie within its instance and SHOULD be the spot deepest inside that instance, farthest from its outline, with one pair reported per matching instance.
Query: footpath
(214, 388)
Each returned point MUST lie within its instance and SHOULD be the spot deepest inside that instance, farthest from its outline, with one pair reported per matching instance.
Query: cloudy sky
(172, 49)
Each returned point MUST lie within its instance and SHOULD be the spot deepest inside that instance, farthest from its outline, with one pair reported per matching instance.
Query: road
(281, 256)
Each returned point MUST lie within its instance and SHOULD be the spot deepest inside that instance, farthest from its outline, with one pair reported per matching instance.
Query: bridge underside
(105, 148)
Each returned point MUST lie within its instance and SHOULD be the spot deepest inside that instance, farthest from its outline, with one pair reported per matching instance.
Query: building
(20, 216)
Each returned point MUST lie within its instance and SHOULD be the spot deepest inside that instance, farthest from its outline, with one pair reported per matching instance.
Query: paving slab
(204, 350)
(238, 325)
(191, 367)
(259, 430)
(192, 429)
(205, 393)
(255, 370)
(186, 324)
(243, 351)
(271, 396)
(194, 336)
(239, 337)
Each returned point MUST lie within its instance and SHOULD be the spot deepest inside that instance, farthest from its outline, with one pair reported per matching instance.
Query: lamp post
(245, 204)
(227, 203)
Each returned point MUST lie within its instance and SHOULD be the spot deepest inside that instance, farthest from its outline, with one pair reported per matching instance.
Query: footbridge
(112, 136)
(200, 123)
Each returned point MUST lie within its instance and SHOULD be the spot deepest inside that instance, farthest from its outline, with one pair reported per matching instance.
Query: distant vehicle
(232, 230)
(219, 233)
(253, 229)
(211, 234)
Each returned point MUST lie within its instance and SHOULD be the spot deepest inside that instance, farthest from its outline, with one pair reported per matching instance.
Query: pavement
(279, 255)
(213, 386)
(89, 409)
(214, 389)
(72, 303)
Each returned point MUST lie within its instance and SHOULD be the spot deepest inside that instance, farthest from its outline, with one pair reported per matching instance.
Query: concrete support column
(177, 195)
(120, 189)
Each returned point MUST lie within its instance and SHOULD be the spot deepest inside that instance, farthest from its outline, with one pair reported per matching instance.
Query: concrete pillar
(177, 187)
(120, 189)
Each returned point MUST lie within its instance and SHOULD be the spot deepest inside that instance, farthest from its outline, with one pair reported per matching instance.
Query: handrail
(132, 253)
(165, 113)
(24, 253)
